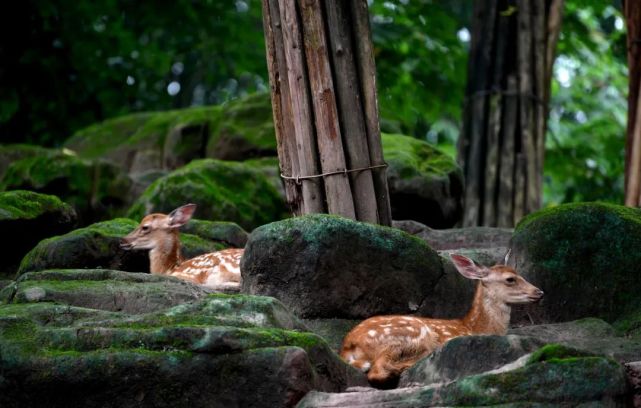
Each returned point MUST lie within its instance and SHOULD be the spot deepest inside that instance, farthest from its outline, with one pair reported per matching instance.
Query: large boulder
(223, 190)
(98, 246)
(219, 351)
(553, 376)
(585, 257)
(25, 219)
(328, 266)
(97, 189)
(425, 184)
(143, 142)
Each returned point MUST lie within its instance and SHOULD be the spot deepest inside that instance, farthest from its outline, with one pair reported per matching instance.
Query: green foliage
(421, 63)
(76, 63)
(585, 143)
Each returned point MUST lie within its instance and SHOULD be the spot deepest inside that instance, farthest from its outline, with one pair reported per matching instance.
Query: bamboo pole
(351, 112)
(301, 109)
(281, 103)
(633, 185)
(367, 81)
(328, 134)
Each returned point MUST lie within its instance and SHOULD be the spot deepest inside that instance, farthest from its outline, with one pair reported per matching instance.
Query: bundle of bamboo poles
(323, 88)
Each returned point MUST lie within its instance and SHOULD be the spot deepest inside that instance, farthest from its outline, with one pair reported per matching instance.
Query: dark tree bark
(502, 144)
(632, 10)
(321, 71)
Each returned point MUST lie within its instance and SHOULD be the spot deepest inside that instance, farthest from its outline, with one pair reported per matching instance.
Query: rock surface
(218, 350)
(552, 376)
(25, 219)
(14, 152)
(97, 189)
(223, 190)
(142, 142)
(101, 289)
(585, 257)
(98, 246)
(425, 184)
(464, 356)
(590, 334)
(327, 266)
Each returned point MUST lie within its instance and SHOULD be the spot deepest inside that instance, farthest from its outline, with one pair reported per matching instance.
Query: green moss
(588, 209)
(78, 182)
(556, 380)
(629, 324)
(556, 352)
(413, 157)
(22, 204)
(322, 227)
(95, 140)
(248, 119)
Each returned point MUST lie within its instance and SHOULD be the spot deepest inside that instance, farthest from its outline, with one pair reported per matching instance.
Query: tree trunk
(502, 143)
(632, 10)
(321, 71)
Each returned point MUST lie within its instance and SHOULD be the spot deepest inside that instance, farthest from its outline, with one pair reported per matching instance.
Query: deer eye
(145, 228)
(510, 281)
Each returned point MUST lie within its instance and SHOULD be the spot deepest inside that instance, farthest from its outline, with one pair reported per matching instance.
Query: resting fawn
(384, 346)
(159, 234)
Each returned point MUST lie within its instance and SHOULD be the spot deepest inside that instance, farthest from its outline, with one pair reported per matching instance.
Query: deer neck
(166, 256)
(487, 314)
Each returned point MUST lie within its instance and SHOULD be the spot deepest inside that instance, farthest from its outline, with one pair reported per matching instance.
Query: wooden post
(632, 11)
(321, 69)
(502, 143)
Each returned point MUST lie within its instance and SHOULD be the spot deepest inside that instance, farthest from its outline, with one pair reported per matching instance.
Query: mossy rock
(629, 324)
(98, 246)
(97, 189)
(15, 152)
(559, 381)
(324, 266)
(244, 129)
(468, 355)
(25, 219)
(100, 289)
(239, 129)
(585, 257)
(218, 351)
(229, 234)
(425, 184)
(223, 190)
(589, 335)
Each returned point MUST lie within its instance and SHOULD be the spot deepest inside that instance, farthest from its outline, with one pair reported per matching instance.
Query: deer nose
(538, 293)
(124, 244)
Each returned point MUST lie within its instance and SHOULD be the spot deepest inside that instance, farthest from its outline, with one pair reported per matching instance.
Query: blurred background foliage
(68, 64)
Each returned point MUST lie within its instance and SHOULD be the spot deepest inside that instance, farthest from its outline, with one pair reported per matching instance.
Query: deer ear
(468, 268)
(181, 215)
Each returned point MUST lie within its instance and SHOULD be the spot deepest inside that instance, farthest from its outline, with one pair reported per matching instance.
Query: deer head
(158, 230)
(500, 283)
